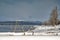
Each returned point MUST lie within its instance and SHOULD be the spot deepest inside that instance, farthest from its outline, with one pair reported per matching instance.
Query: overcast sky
(31, 10)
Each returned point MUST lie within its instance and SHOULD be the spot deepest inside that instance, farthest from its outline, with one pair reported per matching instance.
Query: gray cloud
(26, 9)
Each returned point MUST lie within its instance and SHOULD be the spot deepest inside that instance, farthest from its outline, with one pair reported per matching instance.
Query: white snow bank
(10, 33)
(29, 37)
(38, 28)
(28, 33)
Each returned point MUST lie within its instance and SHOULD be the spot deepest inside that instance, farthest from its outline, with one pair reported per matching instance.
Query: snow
(45, 34)
(46, 28)
(29, 37)
(40, 30)
(28, 33)
(10, 33)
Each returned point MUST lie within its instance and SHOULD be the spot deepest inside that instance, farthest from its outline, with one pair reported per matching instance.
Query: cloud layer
(26, 9)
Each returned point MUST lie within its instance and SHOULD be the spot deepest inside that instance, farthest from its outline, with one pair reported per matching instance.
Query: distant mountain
(21, 22)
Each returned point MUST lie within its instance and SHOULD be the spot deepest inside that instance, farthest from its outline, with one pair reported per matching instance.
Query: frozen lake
(29, 37)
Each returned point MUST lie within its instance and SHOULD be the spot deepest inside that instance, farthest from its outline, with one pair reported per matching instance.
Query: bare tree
(54, 16)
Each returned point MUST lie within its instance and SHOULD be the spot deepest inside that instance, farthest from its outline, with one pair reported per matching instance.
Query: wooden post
(32, 33)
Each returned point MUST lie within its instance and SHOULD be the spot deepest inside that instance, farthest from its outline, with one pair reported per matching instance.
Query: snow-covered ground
(39, 30)
(24, 36)
(29, 37)
(44, 28)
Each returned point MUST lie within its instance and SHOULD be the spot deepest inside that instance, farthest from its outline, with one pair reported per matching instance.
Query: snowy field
(29, 37)
(17, 36)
